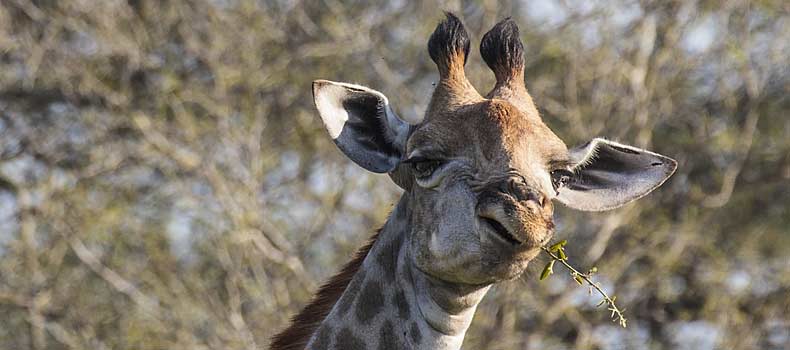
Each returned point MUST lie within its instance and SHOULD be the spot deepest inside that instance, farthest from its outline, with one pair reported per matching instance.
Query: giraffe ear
(608, 175)
(362, 124)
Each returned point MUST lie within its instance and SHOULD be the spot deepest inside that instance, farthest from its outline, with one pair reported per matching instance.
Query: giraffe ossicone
(479, 174)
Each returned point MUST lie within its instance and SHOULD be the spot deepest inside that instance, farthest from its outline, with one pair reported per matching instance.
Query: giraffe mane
(304, 324)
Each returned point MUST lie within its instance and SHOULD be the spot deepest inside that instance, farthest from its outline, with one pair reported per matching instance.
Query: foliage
(557, 253)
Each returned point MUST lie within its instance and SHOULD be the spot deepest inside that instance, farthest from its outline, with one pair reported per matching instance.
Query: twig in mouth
(557, 253)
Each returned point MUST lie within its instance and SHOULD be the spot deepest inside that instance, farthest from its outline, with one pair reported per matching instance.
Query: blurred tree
(165, 183)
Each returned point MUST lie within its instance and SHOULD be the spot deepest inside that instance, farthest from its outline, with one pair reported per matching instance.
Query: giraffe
(479, 174)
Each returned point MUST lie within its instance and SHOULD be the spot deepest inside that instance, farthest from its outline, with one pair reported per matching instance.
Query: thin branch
(617, 313)
(62, 335)
(120, 284)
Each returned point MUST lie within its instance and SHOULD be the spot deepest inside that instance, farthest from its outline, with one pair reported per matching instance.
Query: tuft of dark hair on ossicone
(447, 41)
(502, 49)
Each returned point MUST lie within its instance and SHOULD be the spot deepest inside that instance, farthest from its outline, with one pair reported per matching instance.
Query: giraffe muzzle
(517, 216)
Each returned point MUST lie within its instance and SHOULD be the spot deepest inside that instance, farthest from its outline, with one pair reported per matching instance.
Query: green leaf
(548, 270)
(578, 279)
(556, 246)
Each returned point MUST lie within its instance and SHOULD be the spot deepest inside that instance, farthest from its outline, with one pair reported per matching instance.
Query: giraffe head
(481, 172)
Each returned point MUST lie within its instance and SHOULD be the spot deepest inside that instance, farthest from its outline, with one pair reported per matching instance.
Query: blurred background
(165, 182)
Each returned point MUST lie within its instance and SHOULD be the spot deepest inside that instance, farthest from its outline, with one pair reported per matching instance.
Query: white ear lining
(390, 114)
(333, 115)
(328, 100)
(590, 151)
(598, 186)
(362, 124)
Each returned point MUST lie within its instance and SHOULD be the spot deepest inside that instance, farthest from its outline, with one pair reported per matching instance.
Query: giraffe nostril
(518, 189)
(535, 197)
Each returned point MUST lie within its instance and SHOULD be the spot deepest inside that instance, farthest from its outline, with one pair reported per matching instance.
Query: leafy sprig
(557, 253)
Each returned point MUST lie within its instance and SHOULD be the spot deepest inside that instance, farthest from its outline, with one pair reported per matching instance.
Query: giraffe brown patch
(370, 301)
(399, 299)
(322, 339)
(416, 334)
(388, 257)
(296, 336)
(388, 339)
(346, 340)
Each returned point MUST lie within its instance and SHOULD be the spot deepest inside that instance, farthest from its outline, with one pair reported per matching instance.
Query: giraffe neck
(390, 304)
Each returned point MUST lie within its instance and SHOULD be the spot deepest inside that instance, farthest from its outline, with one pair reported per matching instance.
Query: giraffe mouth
(501, 231)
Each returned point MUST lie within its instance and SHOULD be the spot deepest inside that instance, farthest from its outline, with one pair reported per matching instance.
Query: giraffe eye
(560, 178)
(425, 167)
